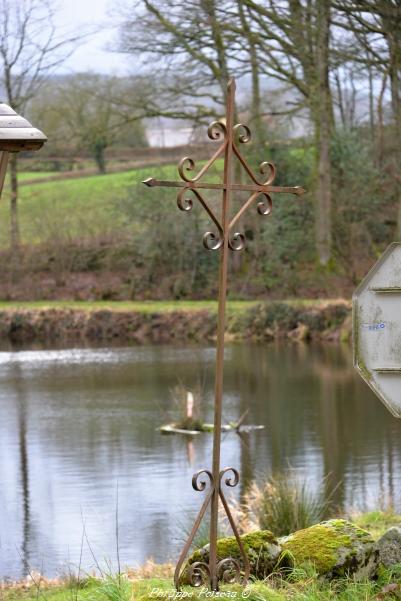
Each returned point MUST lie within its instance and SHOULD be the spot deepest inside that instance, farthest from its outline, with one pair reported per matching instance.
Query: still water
(78, 439)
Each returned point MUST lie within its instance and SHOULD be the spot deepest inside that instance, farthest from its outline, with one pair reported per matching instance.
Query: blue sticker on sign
(374, 327)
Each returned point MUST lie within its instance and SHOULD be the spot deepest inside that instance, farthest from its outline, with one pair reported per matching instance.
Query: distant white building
(166, 133)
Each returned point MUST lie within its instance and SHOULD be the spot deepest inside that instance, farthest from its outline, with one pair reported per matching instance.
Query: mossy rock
(336, 548)
(389, 546)
(261, 547)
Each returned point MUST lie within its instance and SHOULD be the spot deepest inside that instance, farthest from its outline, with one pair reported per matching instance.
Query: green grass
(27, 175)
(135, 306)
(233, 306)
(75, 208)
(303, 586)
(377, 522)
(71, 208)
(82, 208)
(144, 307)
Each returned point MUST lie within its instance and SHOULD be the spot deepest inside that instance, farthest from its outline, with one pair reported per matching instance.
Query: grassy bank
(154, 582)
(166, 322)
(305, 588)
(158, 306)
(134, 306)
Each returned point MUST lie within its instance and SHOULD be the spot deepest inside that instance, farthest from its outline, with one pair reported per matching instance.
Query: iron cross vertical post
(224, 240)
(218, 391)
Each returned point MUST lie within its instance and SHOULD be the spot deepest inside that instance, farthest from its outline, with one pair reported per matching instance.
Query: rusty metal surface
(224, 239)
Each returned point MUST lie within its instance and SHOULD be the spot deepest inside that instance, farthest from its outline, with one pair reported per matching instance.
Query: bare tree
(89, 111)
(300, 43)
(293, 38)
(376, 25)
(30, 51)
(191, 42)
(249, 58)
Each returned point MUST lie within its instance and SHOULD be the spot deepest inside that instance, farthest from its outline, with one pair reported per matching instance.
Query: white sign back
(377, 328)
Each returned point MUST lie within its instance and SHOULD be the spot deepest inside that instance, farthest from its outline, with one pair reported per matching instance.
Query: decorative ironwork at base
(228, 569)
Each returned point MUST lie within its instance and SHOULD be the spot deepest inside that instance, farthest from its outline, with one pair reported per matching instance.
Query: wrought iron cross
(226, 238)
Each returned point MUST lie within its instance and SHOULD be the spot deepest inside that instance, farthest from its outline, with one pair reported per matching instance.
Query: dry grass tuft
(150, 569)
(281, 504)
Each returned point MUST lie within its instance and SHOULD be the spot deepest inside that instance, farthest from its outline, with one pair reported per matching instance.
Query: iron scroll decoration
(236, 240)
(223, 238)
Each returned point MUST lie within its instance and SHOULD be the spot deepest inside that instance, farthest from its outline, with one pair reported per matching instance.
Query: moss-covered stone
(261, 547)
(336, 548)
(389, 546)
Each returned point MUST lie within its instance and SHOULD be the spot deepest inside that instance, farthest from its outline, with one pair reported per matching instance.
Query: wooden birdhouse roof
(16, 133)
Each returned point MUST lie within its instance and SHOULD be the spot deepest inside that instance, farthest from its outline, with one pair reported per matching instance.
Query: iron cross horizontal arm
(227, 569)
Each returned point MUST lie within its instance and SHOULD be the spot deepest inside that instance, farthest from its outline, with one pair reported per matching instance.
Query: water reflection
(78, 424)
(24, 466)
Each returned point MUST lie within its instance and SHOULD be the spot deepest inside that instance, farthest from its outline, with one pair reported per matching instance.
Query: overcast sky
(75, 14)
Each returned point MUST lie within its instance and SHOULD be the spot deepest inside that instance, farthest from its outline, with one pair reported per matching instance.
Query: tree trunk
(256, 117)
(322, 114)
(340, 100)
(221, 71)
(371, 102)
(98, 154)
(14, 221)
(395, 85)
(380, 123)
(4, 158)
(257, 124)
(323, 192)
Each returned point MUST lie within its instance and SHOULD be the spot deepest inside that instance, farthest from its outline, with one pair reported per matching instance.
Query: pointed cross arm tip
(299, 191)
(152, 182)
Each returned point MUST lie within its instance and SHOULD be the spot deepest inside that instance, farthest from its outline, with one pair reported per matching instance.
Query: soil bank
(263, 321)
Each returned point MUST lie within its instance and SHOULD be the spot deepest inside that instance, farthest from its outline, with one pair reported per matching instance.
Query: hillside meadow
(109, 237)
(74, 208)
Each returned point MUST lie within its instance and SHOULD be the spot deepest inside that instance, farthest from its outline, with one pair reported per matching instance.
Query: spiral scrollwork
(199, 483)
(217, 130)
(198, 573)
(265, 206)
(183, 202)
(268, 169)
(212, 241)
(186, 164)
(244, 133)
(229, 570)
(237, 241)
(231, 480)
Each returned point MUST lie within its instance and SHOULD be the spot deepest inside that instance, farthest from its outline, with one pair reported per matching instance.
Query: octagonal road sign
(377, 328)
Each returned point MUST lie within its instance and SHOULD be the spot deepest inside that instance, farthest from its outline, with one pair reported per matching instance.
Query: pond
(80, 450)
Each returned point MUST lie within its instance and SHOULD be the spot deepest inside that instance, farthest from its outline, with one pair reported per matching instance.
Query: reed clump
(282, 503)
(188, 406)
